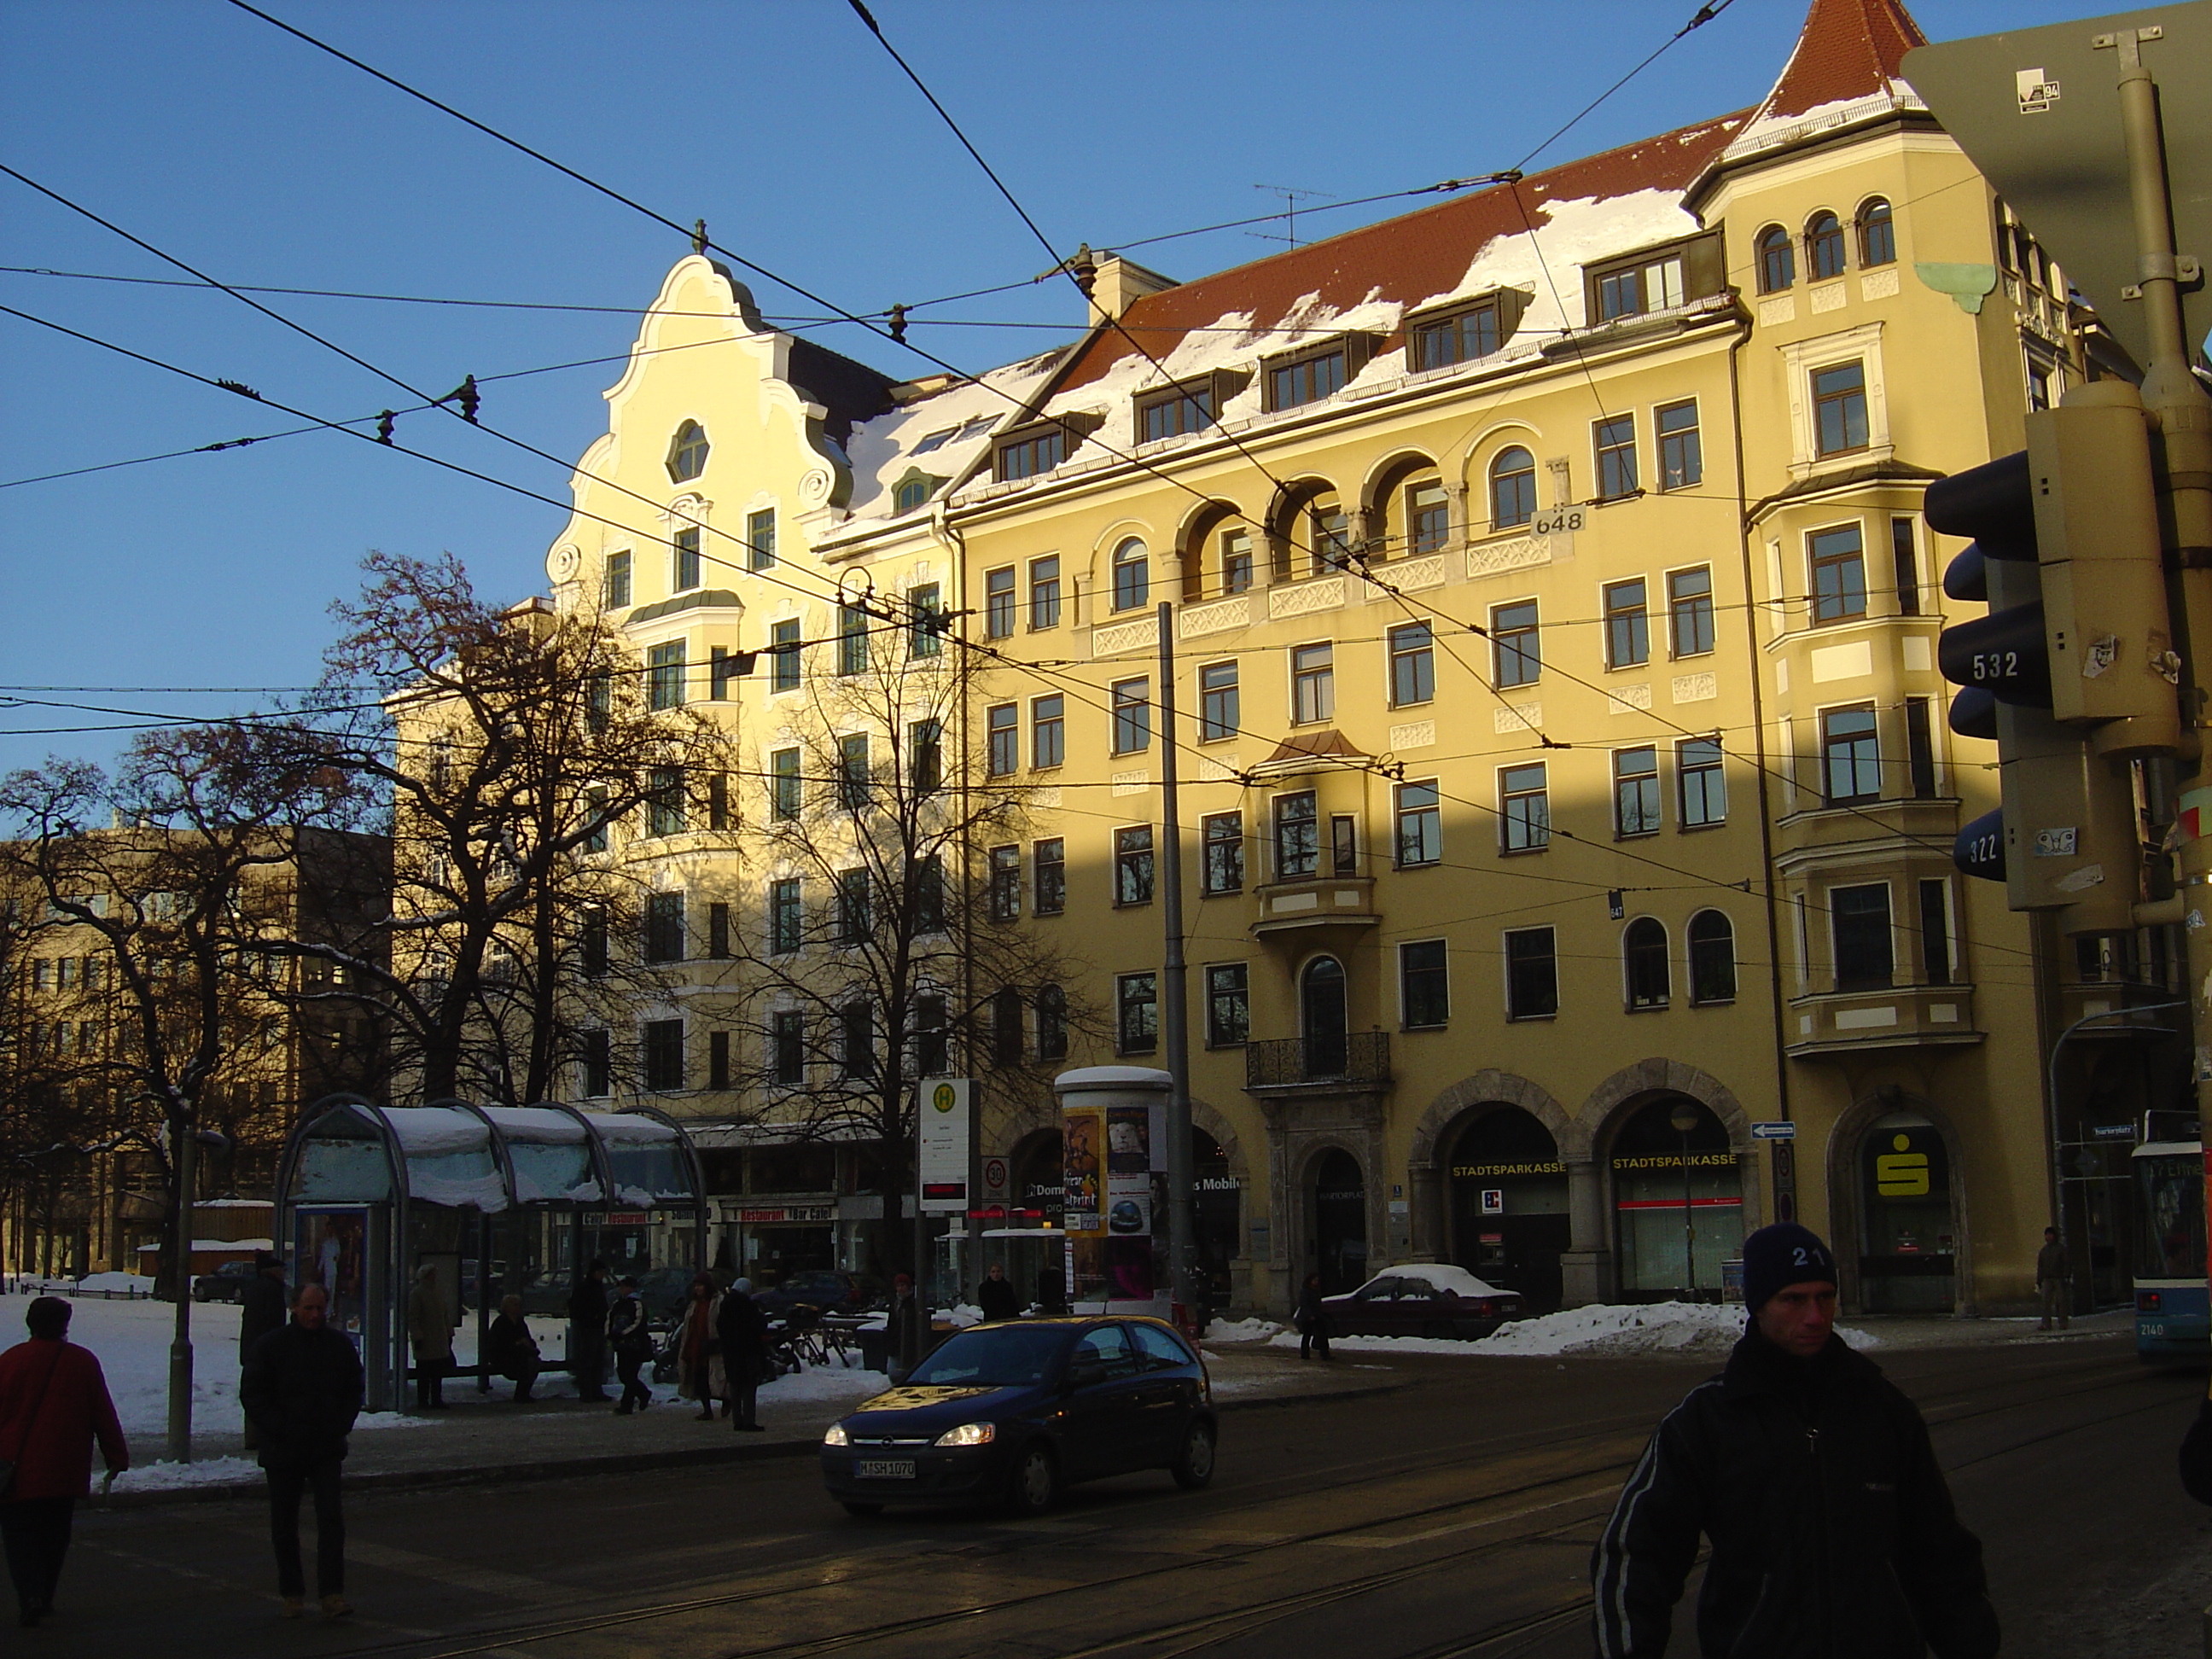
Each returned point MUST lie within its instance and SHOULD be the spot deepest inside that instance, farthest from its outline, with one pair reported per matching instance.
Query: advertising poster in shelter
(331, 1248)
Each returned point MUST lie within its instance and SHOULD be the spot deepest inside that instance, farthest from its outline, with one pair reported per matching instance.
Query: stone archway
(1848, 1199)
(1612, 1104)
(1426, 1179)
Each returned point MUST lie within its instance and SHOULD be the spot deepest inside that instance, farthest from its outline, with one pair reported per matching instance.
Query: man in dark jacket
(1832, 1532)
(2197, 1455)
(260, 1311)
(2054, 1280)
(743, 1329)
(303, 1389)
(632, 1346)
(587, 1333)
(997, 1297)
(511, 1349)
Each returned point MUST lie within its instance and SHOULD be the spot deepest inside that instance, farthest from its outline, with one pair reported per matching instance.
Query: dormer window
(1464, 333)
(1657, 279)
(1317, 372)
(687, 452)
(1178, 410)
(913, 490)
(1031, 451)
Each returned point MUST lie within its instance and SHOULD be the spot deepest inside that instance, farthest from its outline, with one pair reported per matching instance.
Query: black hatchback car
(1015, 1413)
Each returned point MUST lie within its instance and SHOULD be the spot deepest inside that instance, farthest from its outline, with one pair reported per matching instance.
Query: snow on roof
(1532, 236)
(1846, 66)
(1444, 1275)
(941, 435)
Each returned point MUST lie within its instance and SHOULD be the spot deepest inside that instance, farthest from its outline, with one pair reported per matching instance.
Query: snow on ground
(824, 1382)
(1241, 1330)
(1599, 1331)
(167, 1477)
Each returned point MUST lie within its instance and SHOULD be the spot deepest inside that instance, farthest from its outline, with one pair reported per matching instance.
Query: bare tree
(877, 943)
(503, 745)
(146, 1032)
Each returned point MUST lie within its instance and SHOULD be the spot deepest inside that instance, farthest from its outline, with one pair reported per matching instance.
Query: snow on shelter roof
(630, 1126)
(436, 1131)
(536, 1123)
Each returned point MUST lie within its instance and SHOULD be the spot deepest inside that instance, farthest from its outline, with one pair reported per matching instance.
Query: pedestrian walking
(260, 1310)
(2054, 1280)
(698, 1345)
(510, 1348)
(743, 1328)
(430, 1336)
(997, 1297)
(632, 1343)
(1832, 1532)
(587, 1333)
(303, 1391)
(1311, 1319)
(902, 1324)
(53, 1405)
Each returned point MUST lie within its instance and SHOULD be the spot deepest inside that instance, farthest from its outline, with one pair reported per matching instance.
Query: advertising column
(1113, 1146)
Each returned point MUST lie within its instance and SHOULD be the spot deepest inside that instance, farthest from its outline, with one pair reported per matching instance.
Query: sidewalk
(489, 1438)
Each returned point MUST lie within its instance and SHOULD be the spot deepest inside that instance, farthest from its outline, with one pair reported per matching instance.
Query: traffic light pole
(2180, 419)
(1175, 1008)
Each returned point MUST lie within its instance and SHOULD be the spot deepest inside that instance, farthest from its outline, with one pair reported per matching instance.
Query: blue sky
(210, 134)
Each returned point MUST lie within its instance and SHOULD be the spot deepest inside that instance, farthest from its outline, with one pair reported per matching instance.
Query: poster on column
(1083, 1170)
(1130, 1142)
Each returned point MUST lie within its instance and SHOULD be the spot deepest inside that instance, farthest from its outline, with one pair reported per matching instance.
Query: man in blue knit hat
(1833, 1531)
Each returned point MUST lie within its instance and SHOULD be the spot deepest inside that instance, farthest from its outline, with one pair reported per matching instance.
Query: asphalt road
(1451, 1516)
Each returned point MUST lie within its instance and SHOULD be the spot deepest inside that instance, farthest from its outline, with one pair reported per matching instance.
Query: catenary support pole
(184, 1140)
(2180, 417)
(1175, 1005)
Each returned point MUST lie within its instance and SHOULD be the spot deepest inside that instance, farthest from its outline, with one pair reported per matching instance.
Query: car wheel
(1195, 1469)
(1035, 1486)
(865, 1512)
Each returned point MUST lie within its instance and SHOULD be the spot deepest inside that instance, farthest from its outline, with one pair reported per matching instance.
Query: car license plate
(883, 1469)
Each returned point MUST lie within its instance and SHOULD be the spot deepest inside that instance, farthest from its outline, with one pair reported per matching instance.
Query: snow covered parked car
(1422, 1299)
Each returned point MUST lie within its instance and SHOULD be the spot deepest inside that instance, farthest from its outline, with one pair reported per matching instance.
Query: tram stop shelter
(497, 1200)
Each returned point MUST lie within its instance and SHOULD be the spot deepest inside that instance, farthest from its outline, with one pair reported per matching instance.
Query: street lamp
(1684, 1117)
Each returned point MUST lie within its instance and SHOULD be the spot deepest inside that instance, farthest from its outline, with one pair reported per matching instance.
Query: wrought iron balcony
(1357, 1058)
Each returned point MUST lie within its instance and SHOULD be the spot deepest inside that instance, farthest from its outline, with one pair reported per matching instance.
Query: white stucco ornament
(561, 563)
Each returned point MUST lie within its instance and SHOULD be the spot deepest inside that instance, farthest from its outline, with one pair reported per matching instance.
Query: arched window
(1712, 958)
(1321, 1011)
(1824, 247)
(1778, 260)
(687, 452)
(1512, 488)
(1877, 232)
(1052, 1023)
(1644, 945)
(1133, 576)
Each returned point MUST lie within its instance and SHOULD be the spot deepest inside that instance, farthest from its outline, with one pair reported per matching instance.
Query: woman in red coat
(53, 1404)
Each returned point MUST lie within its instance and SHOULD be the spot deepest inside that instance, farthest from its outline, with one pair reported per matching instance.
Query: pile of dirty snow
(1241, 1330)
(1652, 1328)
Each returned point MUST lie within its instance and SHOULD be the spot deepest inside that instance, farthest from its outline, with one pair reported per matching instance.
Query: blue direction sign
(1783, 1130)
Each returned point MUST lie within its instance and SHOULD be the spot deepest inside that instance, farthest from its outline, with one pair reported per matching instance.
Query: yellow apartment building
(1566, 786)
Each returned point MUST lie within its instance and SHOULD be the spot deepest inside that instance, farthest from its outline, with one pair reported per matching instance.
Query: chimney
(1119, 283)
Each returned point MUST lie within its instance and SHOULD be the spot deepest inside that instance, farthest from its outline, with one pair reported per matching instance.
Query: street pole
(184, 1147)
(1175, 1014)
(1684, 1119)
(2180, 417)
(911, 1339)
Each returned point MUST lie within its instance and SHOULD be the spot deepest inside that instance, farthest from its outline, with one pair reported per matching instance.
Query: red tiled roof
(1408, 258)
(1848, 49)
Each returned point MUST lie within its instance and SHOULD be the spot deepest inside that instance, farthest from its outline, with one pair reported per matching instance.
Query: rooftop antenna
(1291, 196)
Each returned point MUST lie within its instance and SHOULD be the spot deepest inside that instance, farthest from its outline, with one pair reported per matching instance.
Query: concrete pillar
(1586, 1269)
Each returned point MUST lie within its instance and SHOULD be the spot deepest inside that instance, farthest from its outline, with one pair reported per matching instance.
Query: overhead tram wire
(1705, 14)
(700, 239)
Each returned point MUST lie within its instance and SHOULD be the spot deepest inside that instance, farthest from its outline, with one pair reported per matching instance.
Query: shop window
(1678, 1201)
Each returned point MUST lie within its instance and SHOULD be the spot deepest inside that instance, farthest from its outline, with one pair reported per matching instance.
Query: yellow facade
(1750, 752)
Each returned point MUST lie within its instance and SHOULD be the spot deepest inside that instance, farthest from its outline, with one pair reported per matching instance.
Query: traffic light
(2073, 670)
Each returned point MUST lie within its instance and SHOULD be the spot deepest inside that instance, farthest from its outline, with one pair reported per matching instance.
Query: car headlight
(968, 1434)
(835, 1435)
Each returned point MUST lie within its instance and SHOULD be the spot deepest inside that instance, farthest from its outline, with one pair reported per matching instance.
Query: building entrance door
(1509, 1205)
(1340, 1223)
